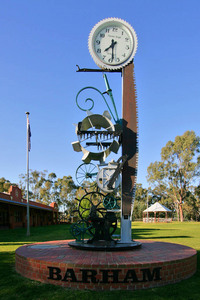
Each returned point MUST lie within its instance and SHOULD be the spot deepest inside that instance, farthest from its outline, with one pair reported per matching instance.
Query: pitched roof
(157, 207)
(14, 197)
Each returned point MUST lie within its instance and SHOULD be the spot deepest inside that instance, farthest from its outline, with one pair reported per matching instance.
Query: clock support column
(129, 147)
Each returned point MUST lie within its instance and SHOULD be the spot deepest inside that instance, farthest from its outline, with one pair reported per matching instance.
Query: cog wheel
(109, 202)
(91, 203)
(78, 230)
(86, 174)
(92, 211)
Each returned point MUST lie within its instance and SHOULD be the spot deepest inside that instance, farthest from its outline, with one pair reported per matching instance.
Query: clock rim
(95, 31)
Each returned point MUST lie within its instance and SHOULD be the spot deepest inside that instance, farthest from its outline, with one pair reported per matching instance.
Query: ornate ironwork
(78, 230)
(108, 91)
(86, 174)
(96, 132)
(110, 202)
(100, 223)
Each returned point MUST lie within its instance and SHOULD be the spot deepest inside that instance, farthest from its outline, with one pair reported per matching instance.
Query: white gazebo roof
(157, 207)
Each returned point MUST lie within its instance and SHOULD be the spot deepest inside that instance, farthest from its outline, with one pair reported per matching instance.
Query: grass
(13, 286)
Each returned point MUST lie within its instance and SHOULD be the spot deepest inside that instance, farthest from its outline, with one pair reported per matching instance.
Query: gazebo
(154, 209)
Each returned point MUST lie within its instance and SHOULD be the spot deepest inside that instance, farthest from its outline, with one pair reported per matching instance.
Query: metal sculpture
(78, 230)
(86, 174)
(96, 132)
(108, 178)
(98, 137)
(110, 202)
(98, 221)
(108, 92)
(96, 210)
(99, 134)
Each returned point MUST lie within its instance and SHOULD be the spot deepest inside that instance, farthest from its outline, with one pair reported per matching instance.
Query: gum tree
(178, 169)
(4, 184)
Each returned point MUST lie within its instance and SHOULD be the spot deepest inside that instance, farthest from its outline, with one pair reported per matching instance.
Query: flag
(29, 135)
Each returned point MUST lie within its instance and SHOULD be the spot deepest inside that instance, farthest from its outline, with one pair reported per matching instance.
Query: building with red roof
(13, 211)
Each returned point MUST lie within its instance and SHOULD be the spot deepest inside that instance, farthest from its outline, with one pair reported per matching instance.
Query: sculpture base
(104, 245)
(151, 265)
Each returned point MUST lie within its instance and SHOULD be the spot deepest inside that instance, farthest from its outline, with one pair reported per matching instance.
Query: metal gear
(100, 223)
(86, 174)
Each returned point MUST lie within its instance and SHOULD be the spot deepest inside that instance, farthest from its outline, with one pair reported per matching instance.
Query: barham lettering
(106, 276)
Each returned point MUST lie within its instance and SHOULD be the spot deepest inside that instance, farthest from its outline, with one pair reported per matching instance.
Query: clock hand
(108, 48)
(112, 57)
(113, 43)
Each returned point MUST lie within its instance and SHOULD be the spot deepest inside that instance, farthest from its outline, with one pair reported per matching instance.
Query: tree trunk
(181, 212)
(177, 210)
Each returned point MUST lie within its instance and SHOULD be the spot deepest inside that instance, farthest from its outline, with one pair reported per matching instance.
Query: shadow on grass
(168, 237)
(152, 233)
(14, 237)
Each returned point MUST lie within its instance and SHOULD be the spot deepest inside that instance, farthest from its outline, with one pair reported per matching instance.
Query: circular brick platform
(154, 264)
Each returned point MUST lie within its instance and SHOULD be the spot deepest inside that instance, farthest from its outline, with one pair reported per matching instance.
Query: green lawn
(13, 286)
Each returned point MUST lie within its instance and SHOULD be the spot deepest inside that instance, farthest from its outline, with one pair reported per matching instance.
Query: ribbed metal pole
(27, 189)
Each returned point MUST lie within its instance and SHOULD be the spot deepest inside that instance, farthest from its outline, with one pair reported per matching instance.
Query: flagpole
(27, 195)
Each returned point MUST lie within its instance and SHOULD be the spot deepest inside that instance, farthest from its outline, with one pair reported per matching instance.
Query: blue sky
(42, 41)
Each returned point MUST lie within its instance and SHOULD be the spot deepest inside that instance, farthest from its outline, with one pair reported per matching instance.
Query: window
(3, 217)
(18, 216)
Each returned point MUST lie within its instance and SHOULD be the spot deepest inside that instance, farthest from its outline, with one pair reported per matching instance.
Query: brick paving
(154, 264)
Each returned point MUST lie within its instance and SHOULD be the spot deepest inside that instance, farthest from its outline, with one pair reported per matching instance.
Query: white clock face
(112, 43)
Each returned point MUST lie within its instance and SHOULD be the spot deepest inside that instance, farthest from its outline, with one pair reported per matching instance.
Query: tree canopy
(47, 188)
(175, 175)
